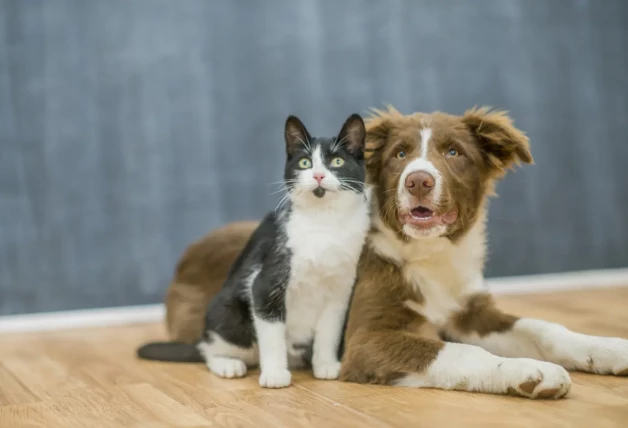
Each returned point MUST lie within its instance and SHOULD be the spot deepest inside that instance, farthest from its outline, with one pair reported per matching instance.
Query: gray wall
(130, 128)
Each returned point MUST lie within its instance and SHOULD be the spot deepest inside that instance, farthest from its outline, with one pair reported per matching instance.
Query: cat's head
(324, 167)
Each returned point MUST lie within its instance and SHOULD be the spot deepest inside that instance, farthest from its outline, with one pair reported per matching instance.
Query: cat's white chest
(325, 249)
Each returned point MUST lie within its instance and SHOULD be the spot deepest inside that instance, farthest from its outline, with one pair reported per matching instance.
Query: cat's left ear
(296, 135)
(352, 136)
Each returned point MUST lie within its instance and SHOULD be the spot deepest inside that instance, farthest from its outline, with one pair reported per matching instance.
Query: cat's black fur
(229, 313)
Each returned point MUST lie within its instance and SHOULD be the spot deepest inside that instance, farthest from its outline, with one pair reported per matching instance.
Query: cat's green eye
(337, 162)
(305, 163)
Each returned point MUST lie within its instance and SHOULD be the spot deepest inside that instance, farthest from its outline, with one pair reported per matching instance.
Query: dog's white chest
(443, 273)
(442, 290)
(444, 282)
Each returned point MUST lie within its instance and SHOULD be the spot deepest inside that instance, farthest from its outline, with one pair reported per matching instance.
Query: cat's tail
(174, 352)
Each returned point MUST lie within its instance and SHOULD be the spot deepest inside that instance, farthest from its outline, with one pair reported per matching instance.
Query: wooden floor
(91, 378)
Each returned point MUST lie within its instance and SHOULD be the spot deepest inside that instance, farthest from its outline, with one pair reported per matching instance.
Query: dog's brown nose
(420, 183)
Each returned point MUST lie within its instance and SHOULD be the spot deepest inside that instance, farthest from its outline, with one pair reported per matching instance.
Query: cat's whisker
(276, 279)
(345, 187)
(283, 182)
(360, 183)
(308, 147)
(337, 144)
(283, 200)
(283, 189)
(353, 183)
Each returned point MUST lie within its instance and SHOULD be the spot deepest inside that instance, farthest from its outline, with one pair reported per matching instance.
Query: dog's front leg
(402, 358)
(482, 324)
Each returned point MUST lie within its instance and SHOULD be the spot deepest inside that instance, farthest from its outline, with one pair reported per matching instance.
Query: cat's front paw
(275, 378)
(327, 370)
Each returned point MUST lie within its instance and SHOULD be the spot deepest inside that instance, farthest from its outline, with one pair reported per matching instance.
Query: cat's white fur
(215, 352)
(325, 237)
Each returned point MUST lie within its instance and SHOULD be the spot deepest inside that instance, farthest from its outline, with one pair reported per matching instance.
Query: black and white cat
(285, 301)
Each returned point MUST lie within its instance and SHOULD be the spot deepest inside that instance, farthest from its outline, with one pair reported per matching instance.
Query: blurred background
(129, 128)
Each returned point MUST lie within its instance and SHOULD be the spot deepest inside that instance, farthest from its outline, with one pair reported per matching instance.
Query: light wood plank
(91, 378)
(12, 391)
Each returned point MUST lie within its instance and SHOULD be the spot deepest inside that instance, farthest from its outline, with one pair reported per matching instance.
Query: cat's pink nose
(318, 176)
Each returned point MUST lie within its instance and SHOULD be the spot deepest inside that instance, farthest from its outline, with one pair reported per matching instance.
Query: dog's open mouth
(422, 217)
(422, 213)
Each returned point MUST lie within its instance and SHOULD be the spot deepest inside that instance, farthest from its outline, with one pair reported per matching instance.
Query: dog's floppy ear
(502, 144)
(378, 127)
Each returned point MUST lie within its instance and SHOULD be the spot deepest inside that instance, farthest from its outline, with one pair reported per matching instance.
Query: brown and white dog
(420, 278)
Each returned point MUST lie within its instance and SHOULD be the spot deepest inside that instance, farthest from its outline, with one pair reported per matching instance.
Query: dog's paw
(327, 370)
(603, 355)
(275, 378)
(532, 379)
(227, 367)
(577, 351)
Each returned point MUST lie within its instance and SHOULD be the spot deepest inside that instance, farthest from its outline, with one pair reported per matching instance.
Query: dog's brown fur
(379, 320)
(388, 335)
(385, 338)
(481, 316)
(378, 302)
(487, 139)
(199, 276)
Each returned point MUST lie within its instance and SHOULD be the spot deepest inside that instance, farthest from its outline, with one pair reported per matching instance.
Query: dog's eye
(401, 155)
(305, 163)
(451, 153)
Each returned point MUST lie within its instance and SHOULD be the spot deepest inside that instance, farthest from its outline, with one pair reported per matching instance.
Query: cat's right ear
(296, 135)
(352, 135)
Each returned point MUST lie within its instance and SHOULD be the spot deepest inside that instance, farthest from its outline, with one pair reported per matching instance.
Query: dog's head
(432, 172)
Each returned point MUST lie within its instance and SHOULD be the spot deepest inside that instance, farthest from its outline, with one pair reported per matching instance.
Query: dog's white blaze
(419, 164)
(426, 135)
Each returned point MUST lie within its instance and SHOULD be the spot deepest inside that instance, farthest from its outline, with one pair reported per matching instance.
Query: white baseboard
(528, 284)
(555, 282)
(85, 318)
